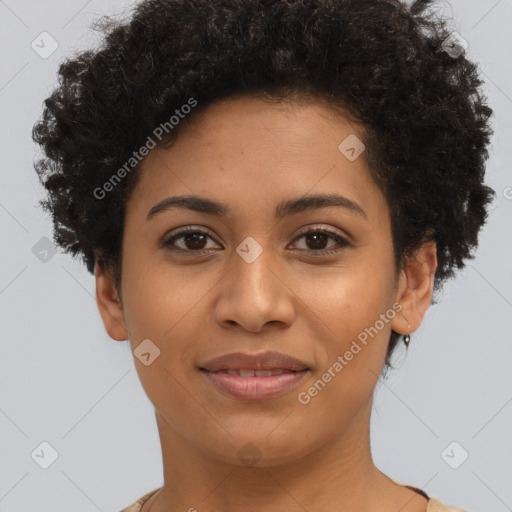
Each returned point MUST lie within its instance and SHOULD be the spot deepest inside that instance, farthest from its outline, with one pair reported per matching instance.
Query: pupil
(196, 238)
(315, 237)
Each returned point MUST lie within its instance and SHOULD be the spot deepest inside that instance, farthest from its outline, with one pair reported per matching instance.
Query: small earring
(407, 339)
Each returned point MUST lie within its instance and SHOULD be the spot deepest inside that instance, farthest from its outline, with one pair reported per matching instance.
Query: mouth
(249, 384)
(259, 376)
(252, 372)
(263, 361)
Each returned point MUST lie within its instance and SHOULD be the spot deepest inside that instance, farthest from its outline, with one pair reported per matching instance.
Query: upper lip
(263, 361)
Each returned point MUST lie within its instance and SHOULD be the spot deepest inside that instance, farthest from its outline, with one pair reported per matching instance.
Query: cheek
(350, 314)
(348, 298)
(167, 305)
(156, 296)
(163, 307)
(351, 341)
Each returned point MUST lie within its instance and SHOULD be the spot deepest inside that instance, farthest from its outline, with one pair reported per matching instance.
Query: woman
(269, 194)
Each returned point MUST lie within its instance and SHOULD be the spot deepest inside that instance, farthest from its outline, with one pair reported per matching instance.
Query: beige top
(432, 506)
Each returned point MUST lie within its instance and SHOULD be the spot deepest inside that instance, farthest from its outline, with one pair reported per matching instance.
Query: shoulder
(435, 505)
(137, 506)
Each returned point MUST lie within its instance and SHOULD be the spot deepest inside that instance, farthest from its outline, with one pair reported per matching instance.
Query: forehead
(251, 153)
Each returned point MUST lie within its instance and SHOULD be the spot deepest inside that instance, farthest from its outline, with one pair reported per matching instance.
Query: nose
(254, 294)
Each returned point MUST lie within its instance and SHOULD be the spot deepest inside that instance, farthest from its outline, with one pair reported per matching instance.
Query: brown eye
(192, 240)
(316, 240)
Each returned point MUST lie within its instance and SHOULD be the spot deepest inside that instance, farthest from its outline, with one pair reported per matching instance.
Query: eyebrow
(283, 209)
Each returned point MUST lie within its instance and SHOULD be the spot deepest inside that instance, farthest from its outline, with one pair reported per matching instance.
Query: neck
(340, 475)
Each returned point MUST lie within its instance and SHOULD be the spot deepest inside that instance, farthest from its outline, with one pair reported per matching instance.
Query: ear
(109, 303)
(415, 289)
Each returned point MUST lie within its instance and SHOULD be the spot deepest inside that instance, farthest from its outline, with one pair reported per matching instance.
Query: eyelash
(167, 241)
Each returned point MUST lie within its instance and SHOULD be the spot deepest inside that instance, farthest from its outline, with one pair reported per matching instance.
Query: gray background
(64, 381)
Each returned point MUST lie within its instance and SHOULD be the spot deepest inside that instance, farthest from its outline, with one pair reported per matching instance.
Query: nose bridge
(253, 293)
(251, 266)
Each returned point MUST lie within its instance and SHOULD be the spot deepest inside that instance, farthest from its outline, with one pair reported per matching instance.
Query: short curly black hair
(396, 69)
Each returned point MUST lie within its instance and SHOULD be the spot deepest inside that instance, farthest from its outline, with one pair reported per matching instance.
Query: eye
(316, 239)
(193, 240)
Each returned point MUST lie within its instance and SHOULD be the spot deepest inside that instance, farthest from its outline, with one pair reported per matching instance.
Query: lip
(254, 388)
(269, 360)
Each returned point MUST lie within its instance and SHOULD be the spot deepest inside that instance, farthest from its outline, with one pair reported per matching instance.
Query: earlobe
(109, 303)
(415, 289)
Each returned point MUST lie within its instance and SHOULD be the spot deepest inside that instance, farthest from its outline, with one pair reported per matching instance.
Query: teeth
(256, 373)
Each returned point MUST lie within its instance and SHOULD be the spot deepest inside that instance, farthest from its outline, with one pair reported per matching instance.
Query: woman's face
(254, 280)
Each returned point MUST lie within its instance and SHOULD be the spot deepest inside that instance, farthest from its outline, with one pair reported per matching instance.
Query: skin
(251, 155)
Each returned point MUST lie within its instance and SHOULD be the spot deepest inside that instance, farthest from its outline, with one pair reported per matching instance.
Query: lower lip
(254, 388)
